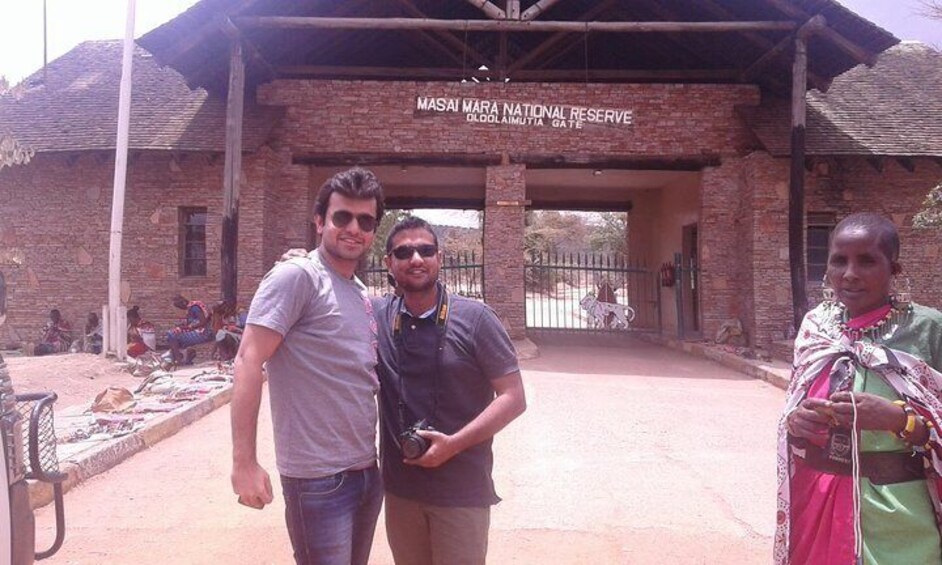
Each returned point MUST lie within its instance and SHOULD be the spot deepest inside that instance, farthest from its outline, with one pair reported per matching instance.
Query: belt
(881, 468)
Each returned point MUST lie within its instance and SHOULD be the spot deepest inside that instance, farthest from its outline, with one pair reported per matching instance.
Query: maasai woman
(859, 447)
(193, 330)
(141, 334)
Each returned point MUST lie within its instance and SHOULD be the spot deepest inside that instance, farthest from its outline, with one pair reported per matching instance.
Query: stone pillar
(725, 248)
(766, 180)
(503, 245)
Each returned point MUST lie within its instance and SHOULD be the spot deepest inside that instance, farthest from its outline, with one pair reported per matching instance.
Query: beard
(410, 285)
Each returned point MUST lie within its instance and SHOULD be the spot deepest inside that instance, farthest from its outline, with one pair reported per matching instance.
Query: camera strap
(441, 320)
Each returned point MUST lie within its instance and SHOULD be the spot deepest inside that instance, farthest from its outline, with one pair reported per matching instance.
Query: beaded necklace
(875, 330)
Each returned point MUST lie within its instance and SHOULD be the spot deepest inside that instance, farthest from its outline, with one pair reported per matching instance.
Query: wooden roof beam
(525, 74)
(512, 8)
(490, 10)
(192, 40)
(759, 41)
(255, 56)
(810, 27)
(832, 35)
(447, 37)
(695, 51)
(288, 22)
(556, 38)
(535, 10)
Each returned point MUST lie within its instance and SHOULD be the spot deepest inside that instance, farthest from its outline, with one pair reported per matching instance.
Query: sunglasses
(404, 252)
(341, 218)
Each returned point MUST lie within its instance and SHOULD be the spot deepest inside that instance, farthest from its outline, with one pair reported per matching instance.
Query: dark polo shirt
(476, 350)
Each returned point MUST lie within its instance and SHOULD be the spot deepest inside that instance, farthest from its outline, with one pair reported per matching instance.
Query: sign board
(500, 112)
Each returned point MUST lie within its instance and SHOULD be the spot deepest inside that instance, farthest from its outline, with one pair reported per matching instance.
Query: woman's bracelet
(906, 433)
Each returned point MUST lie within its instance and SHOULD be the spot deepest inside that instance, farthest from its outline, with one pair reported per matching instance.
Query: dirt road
(75, 377)
(634, 455)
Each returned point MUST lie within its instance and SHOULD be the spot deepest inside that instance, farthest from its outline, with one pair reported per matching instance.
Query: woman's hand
(811, 420)
(873, 412)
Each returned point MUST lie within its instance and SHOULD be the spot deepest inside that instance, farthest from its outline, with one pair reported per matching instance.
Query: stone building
(687, 128)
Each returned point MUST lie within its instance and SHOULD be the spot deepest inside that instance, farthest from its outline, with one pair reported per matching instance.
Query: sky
(74, 21)
(71, 22)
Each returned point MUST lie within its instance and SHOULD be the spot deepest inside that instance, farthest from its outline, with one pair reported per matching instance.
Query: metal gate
(462, 273)
(687, 295)
(589, 292)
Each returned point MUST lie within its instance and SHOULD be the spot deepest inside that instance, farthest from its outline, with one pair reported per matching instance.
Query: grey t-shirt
(322, 378)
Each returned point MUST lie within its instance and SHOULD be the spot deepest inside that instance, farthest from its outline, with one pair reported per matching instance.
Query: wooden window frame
(191, 238)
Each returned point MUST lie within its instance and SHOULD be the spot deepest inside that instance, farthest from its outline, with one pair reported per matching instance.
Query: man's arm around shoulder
(249, 480)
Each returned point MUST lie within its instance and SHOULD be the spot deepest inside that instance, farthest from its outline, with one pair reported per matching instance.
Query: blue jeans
(331, 519)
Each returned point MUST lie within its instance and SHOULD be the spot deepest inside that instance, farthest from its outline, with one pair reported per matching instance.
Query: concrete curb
(109, 453)
(762, 370)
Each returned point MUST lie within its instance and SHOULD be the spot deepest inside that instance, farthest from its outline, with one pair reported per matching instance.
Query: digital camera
(411, 443)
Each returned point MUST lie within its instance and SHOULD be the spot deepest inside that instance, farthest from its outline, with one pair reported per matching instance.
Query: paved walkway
(633, 455)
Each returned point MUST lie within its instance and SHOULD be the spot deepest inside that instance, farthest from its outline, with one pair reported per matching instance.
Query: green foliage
(549, 231)
(931, 214)
(609, 233)
(390, 218)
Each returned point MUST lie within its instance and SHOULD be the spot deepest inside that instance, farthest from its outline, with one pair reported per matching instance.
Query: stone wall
(55, 226)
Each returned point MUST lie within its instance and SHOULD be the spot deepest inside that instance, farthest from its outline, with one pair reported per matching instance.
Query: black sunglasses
(404, 252)
(341, 218)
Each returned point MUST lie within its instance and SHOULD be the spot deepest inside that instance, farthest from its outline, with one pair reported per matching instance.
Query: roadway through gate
(635, 455)
(589, 293)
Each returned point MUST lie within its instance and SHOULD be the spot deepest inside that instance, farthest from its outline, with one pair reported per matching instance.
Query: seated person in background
(227, 325)
(56, 335)
(93, 335)
(142, 337)
(192, 330)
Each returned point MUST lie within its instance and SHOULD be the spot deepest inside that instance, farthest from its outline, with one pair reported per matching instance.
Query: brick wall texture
(55, 212)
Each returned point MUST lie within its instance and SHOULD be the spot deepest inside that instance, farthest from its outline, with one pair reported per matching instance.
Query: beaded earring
(901, 299)
(827, 293)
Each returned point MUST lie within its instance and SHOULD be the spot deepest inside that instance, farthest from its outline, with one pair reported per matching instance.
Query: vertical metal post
(679, 294)
(112, 321)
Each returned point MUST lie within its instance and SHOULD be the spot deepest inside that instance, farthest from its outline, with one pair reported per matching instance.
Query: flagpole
(117, 332)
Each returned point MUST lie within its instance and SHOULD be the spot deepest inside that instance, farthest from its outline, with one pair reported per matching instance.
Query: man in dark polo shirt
(447, 360)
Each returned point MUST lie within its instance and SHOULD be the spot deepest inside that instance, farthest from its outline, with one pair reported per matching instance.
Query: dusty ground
(75, 377)
(626, 456)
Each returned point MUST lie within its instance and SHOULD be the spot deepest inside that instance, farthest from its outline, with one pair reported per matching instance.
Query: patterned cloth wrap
(184, 334)
(821, 341)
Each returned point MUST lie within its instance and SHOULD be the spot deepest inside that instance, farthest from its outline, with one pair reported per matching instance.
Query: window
(819, 230)
(192, 242)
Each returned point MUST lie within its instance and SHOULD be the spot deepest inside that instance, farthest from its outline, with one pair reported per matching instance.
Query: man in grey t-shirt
(312, 327)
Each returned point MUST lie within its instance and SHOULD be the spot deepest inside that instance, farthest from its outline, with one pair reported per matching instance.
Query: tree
(931, 9)
(4, 85)
(931, 214)
(609, 233)
(390, 219)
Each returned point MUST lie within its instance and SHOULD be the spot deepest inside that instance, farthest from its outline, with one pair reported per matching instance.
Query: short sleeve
(493, 349)
(282, 296)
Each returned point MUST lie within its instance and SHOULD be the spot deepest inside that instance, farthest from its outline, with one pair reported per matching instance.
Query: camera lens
(413, 446)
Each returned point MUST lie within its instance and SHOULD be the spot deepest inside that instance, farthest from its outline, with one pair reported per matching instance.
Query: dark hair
(410, 223)
(877, 224)
(357, 183)
(134, 312)
(54, 313)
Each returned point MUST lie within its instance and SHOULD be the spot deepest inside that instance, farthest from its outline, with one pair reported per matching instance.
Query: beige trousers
(421, 534)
